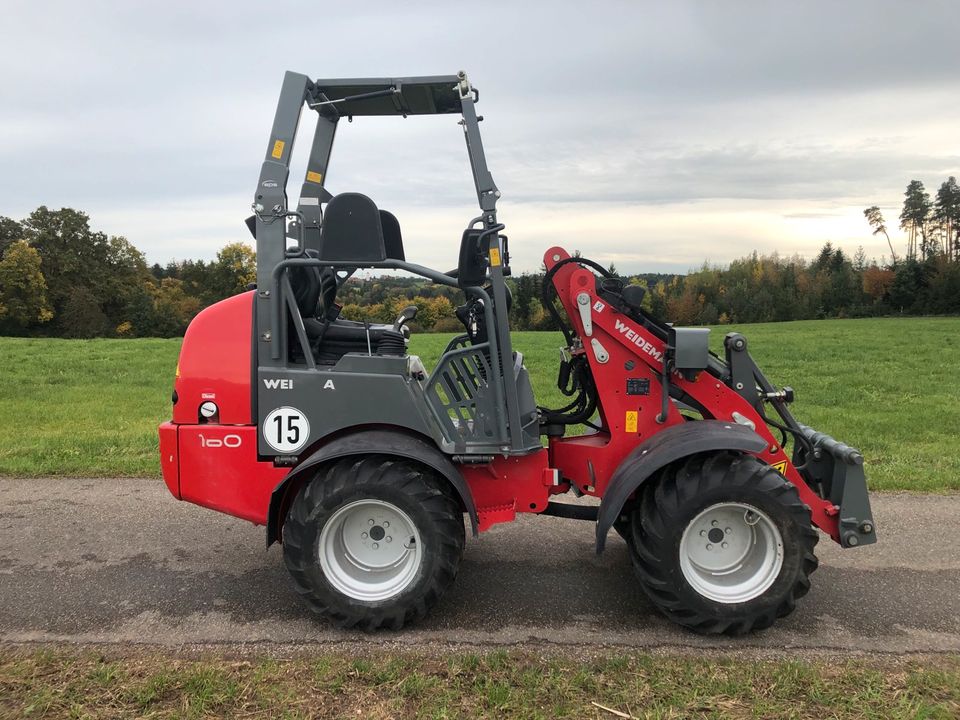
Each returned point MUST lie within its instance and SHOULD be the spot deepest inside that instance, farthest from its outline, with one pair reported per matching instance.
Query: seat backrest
(351, 230)
(392, 240)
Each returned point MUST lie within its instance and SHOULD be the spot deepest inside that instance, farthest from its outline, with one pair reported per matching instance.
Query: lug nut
(363, 535)
(386, 523)
(389, 539)
(370, 522)
(723, 545)
(866, 527)
(703, 533)
(728, 531)
(709, 546)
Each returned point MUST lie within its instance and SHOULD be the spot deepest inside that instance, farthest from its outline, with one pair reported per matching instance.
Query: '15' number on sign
(286, 430)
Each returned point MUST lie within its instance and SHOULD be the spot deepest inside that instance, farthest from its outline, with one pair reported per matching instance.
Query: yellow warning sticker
(780, 467)
(278, 149)
(630, 423)
(314, 177)
(494, 257)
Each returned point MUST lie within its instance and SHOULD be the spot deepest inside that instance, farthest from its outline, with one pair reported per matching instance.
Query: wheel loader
(369, 468)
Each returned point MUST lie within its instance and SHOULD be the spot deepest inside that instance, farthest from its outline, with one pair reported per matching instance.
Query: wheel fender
(668, 446)
(366, 442)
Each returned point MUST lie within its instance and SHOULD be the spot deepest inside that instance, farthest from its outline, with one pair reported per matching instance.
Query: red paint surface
(169, 458)
(215, 362)
(508, 485)
(219, 470)
(215, 465)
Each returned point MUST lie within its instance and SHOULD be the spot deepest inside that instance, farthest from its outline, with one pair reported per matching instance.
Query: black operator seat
(353, 230)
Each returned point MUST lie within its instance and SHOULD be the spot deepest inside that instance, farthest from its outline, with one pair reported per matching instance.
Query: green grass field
(46, 683)
(888, 386)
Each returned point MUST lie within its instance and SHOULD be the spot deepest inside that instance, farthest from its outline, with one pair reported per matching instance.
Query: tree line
(60, 278)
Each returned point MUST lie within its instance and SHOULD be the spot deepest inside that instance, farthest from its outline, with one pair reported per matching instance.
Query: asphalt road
(121, 561)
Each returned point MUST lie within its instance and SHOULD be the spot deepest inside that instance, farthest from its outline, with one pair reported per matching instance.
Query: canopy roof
(431, 95)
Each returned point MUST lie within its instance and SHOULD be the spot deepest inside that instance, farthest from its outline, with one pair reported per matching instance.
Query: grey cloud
(126, 107)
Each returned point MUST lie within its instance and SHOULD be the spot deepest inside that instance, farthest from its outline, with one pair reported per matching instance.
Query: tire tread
(661, 506)
(321, 496)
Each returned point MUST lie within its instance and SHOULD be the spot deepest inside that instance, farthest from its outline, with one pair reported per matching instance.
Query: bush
(448, 325)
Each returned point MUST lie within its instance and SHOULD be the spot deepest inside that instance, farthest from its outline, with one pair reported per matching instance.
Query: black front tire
(420, 493)
(671, 502)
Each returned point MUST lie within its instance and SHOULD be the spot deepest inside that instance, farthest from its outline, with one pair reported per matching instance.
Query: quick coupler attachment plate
(838, 469)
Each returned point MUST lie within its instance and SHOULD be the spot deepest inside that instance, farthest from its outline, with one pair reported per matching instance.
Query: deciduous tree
(234, 269)
(173, 308)
(10, 231)
(81, 316)
(23, 289)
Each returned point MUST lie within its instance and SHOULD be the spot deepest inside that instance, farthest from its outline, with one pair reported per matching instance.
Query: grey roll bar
(331, 100)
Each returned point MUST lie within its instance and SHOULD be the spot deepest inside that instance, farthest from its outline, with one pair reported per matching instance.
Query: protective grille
(462, 399)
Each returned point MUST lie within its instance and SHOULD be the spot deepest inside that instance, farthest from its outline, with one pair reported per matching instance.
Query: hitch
(838, 469)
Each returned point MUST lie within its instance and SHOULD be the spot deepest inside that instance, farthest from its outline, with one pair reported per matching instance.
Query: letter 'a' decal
(328, 385)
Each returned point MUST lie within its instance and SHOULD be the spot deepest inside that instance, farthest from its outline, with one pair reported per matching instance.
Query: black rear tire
(426, 500)
(624, 528)
(684, 490)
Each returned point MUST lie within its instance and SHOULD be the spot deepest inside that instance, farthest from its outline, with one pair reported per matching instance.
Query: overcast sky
(656, 136)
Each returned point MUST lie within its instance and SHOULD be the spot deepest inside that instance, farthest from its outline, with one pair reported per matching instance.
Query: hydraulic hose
(575, 379)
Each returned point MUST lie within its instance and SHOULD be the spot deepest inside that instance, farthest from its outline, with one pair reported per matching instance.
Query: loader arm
(628, 355)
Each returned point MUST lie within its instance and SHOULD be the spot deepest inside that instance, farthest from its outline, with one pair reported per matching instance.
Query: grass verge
(888, 386)
(60, 683)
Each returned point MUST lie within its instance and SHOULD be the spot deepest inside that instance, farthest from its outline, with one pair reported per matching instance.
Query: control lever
(400, 324)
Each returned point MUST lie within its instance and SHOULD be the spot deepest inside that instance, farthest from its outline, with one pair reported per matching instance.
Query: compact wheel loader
(363, 463)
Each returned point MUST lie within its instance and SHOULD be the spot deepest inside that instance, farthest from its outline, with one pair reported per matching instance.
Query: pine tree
(947, 214)
(879, 225)
(860, 260)
(914, 218)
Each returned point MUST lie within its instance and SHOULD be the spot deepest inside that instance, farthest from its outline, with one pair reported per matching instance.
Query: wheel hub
(370, 550)
(731, 552)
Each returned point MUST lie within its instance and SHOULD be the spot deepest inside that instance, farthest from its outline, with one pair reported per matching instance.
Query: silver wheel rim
(370, 550)
(731, 552)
